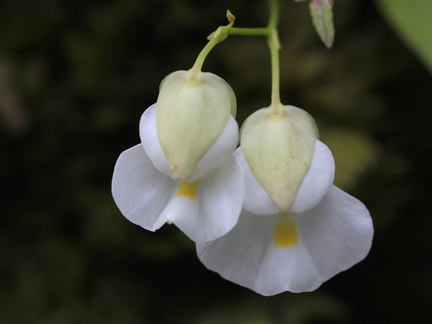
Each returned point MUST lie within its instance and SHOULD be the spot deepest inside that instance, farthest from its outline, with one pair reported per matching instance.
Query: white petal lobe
(220, 151)
(317, 180)
(140, 191)
(337, 233)
(217, 207)
(257, 200)
(332, 237)
(150, 140)
(246, 256)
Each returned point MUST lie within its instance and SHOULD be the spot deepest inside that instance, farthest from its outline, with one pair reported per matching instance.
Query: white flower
(184, 171)
(205, 208)
(272, 249)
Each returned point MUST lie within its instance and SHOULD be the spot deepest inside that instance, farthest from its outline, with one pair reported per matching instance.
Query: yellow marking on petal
(285, 234)
(188, 189)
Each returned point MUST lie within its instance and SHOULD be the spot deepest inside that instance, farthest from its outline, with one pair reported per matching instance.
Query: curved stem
(195, 71)
(214, 38)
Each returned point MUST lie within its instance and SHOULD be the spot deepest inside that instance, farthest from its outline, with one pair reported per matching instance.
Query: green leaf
(322, 18)
(412, 20)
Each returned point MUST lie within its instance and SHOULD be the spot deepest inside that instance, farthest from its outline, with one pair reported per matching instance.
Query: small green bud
(192, 110)
(279, 148)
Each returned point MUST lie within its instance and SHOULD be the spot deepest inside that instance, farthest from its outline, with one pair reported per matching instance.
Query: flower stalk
(273, 42)
(214, 38)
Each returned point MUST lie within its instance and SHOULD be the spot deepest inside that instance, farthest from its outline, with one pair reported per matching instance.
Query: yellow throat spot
(188, 189)
(285, 234)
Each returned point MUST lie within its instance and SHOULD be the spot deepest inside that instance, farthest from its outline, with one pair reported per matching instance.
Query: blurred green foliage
(412, 20)
(75, 76)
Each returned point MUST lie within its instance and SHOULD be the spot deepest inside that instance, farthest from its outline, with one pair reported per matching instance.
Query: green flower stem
(273, 13)
(214, 38)
(250, 31)
(194, 72)
(274, 46)
(273, 42)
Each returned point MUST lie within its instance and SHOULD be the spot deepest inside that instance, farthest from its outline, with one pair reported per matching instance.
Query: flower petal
(256, 200)
(317, 180)
(220, 151)
(150, 140)
(332, 237)
(337, 232)
(140, 191)
(247, 256)
(218, 204)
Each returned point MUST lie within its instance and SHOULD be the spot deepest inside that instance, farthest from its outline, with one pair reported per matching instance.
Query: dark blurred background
(75, 77)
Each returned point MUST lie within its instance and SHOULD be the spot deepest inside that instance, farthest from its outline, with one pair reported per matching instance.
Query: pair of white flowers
(265, 215)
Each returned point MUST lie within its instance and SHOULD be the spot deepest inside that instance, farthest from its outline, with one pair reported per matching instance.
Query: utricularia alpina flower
(184, 171)
(297, 229)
